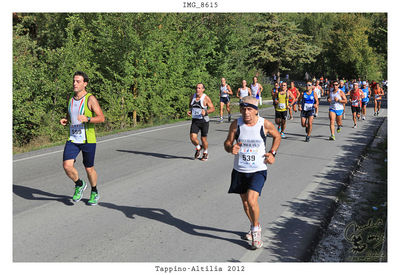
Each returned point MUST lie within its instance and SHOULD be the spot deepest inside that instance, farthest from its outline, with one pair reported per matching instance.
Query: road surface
(157, 204)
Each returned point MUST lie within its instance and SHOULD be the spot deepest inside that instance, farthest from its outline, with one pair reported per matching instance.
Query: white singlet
(250, 158)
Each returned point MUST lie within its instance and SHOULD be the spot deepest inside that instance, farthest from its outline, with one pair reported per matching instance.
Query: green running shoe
(79, 192)
(339, 128)
(94, 198)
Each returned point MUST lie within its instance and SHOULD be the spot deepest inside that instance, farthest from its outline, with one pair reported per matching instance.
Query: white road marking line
(111, 139)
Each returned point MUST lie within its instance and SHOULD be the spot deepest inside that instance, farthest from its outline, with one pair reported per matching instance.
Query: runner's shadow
(157, 155)
(164, 216)
(29, 193)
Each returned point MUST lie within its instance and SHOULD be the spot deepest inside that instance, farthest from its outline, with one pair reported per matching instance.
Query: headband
(245, 104)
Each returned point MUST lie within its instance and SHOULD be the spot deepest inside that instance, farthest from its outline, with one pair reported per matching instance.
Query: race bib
(377, 96)
(77, 133)
(196, 113)
(247, 158)
(308, 106)
(281, 105)
(355, 103)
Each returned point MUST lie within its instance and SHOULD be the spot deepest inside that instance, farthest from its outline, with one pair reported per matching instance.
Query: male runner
(292, 102)
(243, 91)
(337, 99)
(378, 93)
(224, 92)
(82, 107)
(356, 96)
(199, 107)
(256, 90)
(250, 163)
(365, 99)
(345, 91)
(308, 103)
(281, 105)
(274, 91)
(318, 91)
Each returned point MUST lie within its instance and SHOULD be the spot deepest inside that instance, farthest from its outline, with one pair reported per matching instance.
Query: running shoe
(377, 113)
(197, 153)
(283, 135)
(94, 198)
(355, 126)
(332, 137)
(256, 241)
(363, 118)
(279, 129)
(248, 234)
(339, 128)
(307, 138)
(204, 157)
(229, 118)
(374, 113)
(79, 192)
(221, 119)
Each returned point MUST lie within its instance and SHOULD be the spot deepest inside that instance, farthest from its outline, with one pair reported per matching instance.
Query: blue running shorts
(71, 151)
(241, 182)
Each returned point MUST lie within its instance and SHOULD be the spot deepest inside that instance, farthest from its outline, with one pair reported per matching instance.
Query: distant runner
(256, 90)
(345, 91)
(356, 96)
(337, 99)
(250, 163)
(308, 102)
(83, 112)
(243, 91)
(281, 100)
(365, 99)
(225, 91)
(378, 93)
(318, 90)
(200, 106)
(292, 102)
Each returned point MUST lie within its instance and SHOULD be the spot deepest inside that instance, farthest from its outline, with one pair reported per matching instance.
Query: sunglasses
(335, 84)
(309, 85)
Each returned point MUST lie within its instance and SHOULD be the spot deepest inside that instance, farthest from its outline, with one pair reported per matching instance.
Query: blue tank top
(365, 91)
(308, 101)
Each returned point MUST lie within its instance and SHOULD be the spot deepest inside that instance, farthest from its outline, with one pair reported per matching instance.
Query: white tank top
(77, 129)
(250, 158)
(335, 105)
(224, 91)
(243, 92)
(254, 90)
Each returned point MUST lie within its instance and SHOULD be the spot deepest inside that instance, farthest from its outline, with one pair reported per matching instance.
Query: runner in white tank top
(246, 140)
(243, 91)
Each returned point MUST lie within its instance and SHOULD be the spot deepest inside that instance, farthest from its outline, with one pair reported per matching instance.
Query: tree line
(144, 66)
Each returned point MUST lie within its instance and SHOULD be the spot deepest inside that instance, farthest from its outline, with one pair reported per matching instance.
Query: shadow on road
(29, 193)
(296, 235)
(157, 155)
(164, 216)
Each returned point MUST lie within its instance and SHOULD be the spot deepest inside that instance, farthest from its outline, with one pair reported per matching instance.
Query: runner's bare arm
(229, 90)
(343, 96)
(316, 101)
(189, 113)
(228, 144)
(94, 106)
(209, 104)
(276, 140)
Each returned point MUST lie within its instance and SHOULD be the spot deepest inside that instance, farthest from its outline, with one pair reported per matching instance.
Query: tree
(279, 45)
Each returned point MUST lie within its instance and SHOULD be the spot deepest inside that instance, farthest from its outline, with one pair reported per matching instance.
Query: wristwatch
(273, 153)
(89, 118)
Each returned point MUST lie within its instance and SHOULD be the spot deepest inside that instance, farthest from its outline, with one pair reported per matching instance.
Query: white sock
(205, 151)
(255, 228)
(198, 147)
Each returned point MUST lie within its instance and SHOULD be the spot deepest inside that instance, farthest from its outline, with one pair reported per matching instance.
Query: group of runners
(246, 138)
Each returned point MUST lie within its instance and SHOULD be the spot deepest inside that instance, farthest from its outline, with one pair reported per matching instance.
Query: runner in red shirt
(378, 93)
(356, 96)
(292, 102)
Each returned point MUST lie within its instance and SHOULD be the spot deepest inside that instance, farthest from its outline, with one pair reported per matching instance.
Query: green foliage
(143, 67)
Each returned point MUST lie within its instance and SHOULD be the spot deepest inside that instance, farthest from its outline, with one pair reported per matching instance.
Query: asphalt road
(157, 204)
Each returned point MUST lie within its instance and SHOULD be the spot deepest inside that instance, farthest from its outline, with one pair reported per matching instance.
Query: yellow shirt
(282, 102)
